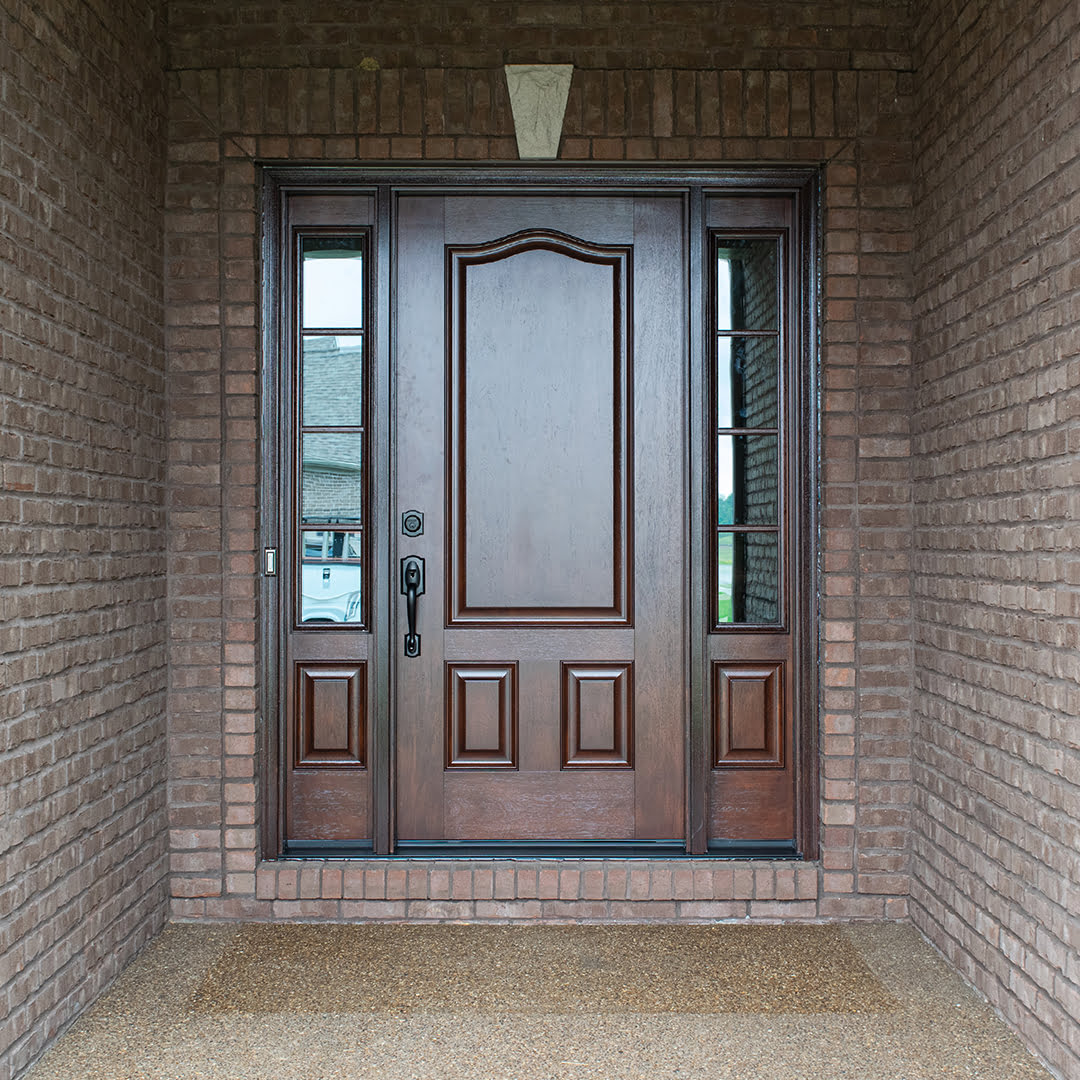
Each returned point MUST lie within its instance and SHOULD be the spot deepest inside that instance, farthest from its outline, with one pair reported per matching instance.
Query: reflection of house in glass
(332, 482)
(331, 478)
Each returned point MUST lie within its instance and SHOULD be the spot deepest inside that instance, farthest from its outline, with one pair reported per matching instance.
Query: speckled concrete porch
(794, 1002)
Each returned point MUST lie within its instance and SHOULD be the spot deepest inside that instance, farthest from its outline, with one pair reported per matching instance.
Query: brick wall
(996, 882)
(82, 551)
(705, 82)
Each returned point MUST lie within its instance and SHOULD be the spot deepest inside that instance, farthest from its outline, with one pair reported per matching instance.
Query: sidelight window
(748, 391)
(331, 429)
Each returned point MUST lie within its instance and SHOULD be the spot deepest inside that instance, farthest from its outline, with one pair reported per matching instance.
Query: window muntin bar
(331, 402)
(749, 384)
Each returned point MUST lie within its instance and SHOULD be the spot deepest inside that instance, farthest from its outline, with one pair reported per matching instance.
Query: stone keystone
(538, 95)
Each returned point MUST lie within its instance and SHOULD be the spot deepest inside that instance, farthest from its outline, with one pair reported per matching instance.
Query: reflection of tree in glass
(724, 553)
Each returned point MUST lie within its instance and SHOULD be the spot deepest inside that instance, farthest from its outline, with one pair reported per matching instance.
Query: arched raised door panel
(539, 480)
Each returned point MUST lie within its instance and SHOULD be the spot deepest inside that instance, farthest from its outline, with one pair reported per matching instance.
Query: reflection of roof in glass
(332, 380)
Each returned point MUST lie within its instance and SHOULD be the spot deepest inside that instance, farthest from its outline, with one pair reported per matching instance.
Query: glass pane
(331, 380)
(332, 282)
(725, 549)
(747, 473)
(747, 296)
(747, 374)
(748, 578)
(332, 479)
(331, 575)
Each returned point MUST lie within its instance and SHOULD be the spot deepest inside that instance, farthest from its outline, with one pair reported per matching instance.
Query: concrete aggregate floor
(318, 1002)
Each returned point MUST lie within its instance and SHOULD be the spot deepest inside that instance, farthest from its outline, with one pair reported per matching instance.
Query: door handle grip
(412, 586)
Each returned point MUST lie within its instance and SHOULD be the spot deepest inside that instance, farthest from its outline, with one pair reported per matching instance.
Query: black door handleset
(412, 588)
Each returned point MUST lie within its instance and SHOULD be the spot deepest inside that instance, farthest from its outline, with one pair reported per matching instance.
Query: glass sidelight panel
(747, 578)
(760, 598)
(315, 507)
(748, 469)
(747, 285)
(747, 476)
(332, 380)
(330, 409)
(331, 576)
(747, 382)
(332, 479)
(332, 282)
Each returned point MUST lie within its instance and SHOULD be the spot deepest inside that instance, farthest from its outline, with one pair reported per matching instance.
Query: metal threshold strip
(541, 849)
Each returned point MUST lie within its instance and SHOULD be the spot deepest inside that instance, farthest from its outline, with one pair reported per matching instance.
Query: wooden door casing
(609, 753)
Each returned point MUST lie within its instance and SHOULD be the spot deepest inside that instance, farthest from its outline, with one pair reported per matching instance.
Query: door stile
(696, 452)
(383, 553)
(409, 447)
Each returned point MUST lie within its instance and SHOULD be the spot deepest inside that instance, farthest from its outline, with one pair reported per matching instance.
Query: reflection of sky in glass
(724, 416)
(333, 291)
(723, 293)
(724, 467)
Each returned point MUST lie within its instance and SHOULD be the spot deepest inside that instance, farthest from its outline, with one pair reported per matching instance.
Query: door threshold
(541, 849)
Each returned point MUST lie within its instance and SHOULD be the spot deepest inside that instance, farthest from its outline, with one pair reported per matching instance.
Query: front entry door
(540, 481)
(536, 511)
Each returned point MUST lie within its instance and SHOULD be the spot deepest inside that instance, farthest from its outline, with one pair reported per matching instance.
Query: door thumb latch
(412, 587)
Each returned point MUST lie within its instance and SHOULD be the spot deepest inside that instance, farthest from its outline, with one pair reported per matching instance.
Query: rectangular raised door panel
(481, 716)
(597, 716)
(330, 715)
(328, 778)
(538, 439)
(748, 715)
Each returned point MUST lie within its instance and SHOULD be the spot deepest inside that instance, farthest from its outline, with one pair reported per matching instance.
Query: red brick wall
(996, 882)
(705, 82)
(82, 550)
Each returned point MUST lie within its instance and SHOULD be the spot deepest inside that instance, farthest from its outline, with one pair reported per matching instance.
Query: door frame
(694, 184)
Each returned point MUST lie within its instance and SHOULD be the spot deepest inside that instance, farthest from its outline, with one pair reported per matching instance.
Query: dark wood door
(603, 414)
(541, 366)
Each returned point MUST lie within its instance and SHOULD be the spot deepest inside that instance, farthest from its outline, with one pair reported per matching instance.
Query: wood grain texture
(538, 443)
(330, 714)
(753, 714)
(542, 509)
(748, 715)
(481, 716)
(418, 384)
(630, 448)
(661, 675)
(324, 686)
(597, 716)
